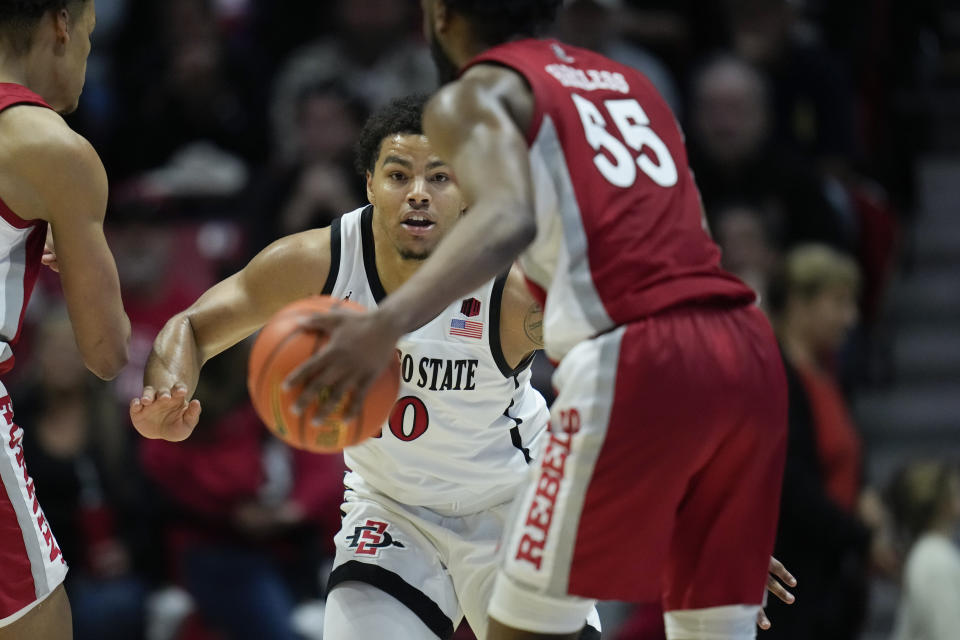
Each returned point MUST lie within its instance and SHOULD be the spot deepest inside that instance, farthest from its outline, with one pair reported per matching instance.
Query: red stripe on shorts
(17, 589)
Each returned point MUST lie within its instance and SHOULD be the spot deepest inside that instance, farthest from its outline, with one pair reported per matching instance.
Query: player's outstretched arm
(62, 181)
(291, 268)
(474, 125)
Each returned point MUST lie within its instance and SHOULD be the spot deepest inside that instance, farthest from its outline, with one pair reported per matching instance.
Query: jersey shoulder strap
(496, 346)
(335, 252)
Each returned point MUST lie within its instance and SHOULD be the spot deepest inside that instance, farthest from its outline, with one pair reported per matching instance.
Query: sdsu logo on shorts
(368, 539)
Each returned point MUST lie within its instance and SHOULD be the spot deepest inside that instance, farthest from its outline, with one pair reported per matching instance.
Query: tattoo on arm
(533, 325)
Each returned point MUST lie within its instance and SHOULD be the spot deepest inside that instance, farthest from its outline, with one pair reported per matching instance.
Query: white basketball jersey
(21, 248)
(21, 245)
(465, 425)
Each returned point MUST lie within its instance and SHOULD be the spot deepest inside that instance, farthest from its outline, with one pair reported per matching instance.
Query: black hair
(399, 116)
(18, 18)
(497, 21)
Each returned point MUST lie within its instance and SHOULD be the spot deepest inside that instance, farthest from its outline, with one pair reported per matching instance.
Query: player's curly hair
(399, 116)
(496, 21)
(19, 17)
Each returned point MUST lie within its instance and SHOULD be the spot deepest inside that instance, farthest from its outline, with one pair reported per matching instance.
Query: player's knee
(733, 622)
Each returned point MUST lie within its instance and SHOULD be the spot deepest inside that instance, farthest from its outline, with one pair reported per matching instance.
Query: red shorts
(661, 478)
(31, 564)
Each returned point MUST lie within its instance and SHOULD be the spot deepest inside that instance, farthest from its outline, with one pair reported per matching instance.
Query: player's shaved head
(19, 18)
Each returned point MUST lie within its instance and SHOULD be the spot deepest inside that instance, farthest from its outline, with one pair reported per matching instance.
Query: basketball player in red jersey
(662, 475)
(51, 181)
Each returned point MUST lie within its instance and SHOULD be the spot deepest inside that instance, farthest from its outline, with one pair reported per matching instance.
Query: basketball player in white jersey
(52, 185)
(426, 501)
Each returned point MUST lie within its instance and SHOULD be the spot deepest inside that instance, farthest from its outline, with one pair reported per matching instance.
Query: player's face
(830, 316)
(72, 69)
(447, 69)
(415, 196)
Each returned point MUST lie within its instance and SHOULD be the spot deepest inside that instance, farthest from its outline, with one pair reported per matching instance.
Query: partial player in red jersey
(52, 186)
(662, 476)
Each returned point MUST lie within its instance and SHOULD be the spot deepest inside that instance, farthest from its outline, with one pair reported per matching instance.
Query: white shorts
(441, 567)
(31, 564)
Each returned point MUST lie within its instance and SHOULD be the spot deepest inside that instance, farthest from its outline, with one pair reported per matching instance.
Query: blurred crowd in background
(225, 124)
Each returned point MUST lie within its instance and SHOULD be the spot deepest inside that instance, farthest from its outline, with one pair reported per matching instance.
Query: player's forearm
(176, 358)
(480, 247)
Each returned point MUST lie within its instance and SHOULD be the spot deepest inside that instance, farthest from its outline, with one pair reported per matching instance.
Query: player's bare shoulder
(46, 168)
(484, 91)
(302, 253)
(290, 268)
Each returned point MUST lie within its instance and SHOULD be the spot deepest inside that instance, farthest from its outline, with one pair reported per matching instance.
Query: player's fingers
(304, 373)
(319, 370)
(323, 322)
(762, 620)
(777, 589)
(163, 394)
(328, 399)
(310, 393)
(135, 406)
(179, 390)
(191, 415)
(148, 396)
(356, 399)
(777, 569)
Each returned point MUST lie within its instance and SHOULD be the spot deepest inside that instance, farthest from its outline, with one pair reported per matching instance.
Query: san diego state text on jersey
(439, 374)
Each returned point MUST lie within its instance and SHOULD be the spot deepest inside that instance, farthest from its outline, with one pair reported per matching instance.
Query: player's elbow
(107, 366)
(109, 356)
(108, 362)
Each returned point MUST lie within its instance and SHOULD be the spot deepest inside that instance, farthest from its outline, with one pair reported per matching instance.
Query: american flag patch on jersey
(466, 328)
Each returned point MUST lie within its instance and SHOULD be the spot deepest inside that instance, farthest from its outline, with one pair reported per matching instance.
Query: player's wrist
(390, 320)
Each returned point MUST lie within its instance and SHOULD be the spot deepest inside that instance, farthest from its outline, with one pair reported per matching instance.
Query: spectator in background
(197, 106)
(831, 529)
(736, 158)
(598, 25)
(251, 518)
(811, 115)
(741, 230)
(77, 449)
(924, 498)
(811, 96)
(679, 32)
(283, 27)
(311, 180)
(372, 51)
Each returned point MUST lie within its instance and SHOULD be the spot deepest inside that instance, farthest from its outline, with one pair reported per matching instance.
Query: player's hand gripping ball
(282, 346)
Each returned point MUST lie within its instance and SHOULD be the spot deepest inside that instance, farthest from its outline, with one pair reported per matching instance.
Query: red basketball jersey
(620, 232)
(21, 247)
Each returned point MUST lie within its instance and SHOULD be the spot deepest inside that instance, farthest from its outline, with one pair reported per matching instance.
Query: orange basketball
(281, 347)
